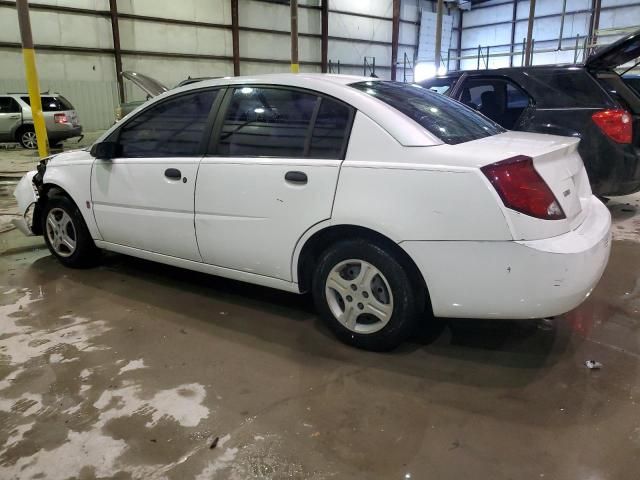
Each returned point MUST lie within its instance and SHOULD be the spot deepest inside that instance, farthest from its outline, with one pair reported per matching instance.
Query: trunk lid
(149, 85)
(557, 161)
(615, 54)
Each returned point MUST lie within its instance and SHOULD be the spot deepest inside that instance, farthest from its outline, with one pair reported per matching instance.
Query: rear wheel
(27, 138)
(66, 233)
(365, 295)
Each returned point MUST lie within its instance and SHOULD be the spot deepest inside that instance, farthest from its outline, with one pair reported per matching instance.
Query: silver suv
(16, 121)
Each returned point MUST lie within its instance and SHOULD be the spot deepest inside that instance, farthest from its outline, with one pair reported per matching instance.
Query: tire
(66, 233)
(359, 278)
(27, 138)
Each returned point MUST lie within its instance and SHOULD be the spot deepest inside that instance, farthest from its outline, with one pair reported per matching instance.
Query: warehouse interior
(138, 370)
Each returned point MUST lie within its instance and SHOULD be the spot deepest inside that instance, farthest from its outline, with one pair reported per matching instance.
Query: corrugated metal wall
(94, 101)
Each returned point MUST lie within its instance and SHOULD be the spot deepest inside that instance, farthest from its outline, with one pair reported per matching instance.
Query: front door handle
(14, 116)
(296, 177)
(173, 173)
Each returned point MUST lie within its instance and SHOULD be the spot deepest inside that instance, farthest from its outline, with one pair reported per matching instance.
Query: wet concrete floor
(133, 370)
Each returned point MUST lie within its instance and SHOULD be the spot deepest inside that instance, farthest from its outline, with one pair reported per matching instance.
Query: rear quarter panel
(411, 193)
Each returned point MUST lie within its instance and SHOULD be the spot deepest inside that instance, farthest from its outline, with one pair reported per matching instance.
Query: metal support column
(235, 37)
(528, 55)
(514, 17)
(295, 66)
(33, 86)
(460, 12)
(324, 40)
(395, 34)
(596, 5)
(439, 14)
(115, 33)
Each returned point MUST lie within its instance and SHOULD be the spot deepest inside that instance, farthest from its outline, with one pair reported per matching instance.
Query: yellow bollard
(32, 77)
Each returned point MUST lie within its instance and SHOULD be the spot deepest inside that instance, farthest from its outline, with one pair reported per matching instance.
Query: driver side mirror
(105, 150)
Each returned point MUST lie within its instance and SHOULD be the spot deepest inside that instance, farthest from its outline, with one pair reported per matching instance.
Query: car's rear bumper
(60, 134)
(509, 279)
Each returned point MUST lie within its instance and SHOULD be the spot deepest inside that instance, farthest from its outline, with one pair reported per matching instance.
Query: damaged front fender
(27, 196)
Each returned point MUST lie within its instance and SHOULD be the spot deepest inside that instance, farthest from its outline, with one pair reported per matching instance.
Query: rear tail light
(60, 118)
(522, 189)
(616, 124)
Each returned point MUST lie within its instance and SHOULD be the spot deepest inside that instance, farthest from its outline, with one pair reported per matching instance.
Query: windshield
(450, 121)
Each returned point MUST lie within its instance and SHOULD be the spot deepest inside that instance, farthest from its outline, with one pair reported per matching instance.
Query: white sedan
(388, 202)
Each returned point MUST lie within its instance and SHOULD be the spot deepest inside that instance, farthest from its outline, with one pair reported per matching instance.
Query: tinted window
(171, 128)
(51, 104)
(330, 130)
(447, 119)
(516, 98)
(497, 98)
(566, 89)
(266, 122)
(9, 105)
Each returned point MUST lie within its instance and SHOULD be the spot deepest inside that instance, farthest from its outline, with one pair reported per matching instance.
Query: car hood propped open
(150, 86)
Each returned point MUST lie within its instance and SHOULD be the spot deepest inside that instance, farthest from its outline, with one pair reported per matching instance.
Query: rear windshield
(52, 104)
(450, 121)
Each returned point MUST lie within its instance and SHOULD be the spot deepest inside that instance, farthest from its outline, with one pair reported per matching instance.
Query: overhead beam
(395, 35)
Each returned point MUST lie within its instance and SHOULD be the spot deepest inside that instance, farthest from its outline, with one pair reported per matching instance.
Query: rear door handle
(173, 173)
(296, 177)
(14, 116)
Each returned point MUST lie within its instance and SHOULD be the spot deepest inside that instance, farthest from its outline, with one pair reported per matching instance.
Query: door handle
(173, 173)
(14, 116)
(296, 177)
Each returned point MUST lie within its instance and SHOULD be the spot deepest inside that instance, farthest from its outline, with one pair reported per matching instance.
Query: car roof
(508, 70)
(402, 128)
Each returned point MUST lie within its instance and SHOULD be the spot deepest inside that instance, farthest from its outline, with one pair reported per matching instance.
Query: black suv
(589, 101)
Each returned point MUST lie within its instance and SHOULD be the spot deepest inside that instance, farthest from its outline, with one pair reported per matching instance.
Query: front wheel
(66, 233)
(365, 295)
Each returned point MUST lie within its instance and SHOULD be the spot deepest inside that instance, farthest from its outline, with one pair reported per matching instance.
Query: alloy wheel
(29, 139)
(359, 296)
(61, 232)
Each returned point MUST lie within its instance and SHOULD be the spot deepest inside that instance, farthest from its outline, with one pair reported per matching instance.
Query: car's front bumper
(516, 279)
(27, 197)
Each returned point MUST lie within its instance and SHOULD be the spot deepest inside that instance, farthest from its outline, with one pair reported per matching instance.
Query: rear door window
(52, 104)
(330, 130)
(282, 122)
(447, 119)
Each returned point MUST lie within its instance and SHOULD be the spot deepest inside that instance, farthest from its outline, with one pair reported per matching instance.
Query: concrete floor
(133, 370)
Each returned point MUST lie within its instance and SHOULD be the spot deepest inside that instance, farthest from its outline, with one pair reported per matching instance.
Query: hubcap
(61, 232)
(29, 139)
(359, 296)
